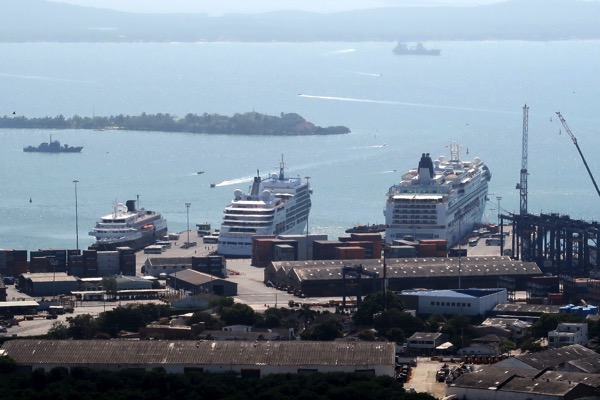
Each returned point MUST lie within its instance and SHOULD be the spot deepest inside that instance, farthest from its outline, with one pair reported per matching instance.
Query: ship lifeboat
(148, 226)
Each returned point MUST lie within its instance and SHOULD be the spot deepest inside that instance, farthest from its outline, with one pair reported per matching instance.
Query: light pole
(75, 182)
(307, 254)
(187, 206)
(498, 198)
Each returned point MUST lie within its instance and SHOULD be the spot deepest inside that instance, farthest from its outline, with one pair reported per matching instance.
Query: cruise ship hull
(238, 245)
(128, 227)
(277, 205)
(135, 244)
(441, 200)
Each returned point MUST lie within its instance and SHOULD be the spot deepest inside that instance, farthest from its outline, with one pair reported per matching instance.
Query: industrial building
(47, 284)
(245, 358)
(327, 278)
(571, 372)
(498, 383)
(160, 266)
(198, 283)
(574, 358)
(469, 302)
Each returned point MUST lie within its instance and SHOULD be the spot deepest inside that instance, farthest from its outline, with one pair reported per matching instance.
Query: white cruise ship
(277, 205)
(127, 226)
(442, 199)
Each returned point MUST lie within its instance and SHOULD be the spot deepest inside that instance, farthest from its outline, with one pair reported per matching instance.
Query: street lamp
(307, 254)
(187, 206)
(75, 182)
(498, 198)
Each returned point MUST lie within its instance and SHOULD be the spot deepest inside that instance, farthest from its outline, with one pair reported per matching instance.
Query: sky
(220, 7)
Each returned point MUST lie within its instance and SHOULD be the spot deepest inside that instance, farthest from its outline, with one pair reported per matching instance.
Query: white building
(454, 301)
(567, 334)
(425, 341)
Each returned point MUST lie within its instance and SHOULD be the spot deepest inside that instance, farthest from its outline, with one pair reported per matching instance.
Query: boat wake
(366, 74)
(234, 181)
(402, 103)
(342, 51)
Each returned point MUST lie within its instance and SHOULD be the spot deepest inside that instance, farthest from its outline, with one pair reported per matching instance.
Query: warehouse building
(47, 284)
(500, 383)
(198, 283)
(161, 266)
(248, 359)
(469, 302)
(326, 277)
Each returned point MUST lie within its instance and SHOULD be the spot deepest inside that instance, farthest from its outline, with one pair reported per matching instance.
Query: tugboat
(53, 146)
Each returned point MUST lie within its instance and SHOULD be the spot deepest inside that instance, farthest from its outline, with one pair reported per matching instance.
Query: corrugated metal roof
(414, 268)
(167, 261)
(196, 278)
(553, 357)
(125, 352)
(49, 277)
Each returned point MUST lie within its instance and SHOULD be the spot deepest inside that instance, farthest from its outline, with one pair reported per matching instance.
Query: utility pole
(498, 198)
(76, 217)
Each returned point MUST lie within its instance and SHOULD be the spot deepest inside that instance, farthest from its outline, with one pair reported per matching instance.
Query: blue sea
(397, 107)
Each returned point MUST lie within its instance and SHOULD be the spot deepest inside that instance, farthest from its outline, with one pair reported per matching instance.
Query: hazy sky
(218, 7)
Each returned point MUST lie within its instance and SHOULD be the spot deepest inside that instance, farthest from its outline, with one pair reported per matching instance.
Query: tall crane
(564, 123)
(522, 185)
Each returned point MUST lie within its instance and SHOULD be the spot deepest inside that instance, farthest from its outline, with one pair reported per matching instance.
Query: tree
(374, 303)
(210, 322)
(326, 331)
(109, 284)
(58, 330)
(507, 346)
(394, 318)
(238, 313)
(82, 327)
(220, 302)
(549, 322)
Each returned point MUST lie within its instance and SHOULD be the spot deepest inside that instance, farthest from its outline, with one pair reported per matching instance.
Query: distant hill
(39, 20)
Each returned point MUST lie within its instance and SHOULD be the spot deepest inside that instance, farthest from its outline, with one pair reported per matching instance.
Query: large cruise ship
(441, 199)
(277, 205)
(127, 226)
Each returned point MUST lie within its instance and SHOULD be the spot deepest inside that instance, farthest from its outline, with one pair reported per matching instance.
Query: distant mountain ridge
(43, 21)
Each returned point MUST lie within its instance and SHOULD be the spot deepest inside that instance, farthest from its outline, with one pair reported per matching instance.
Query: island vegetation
(250, 123)
(539, 20)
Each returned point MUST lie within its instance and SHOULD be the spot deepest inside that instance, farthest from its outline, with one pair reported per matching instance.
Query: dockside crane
(522, 185)
(574, 139)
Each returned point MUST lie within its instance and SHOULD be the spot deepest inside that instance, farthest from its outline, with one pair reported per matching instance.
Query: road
(422, 378)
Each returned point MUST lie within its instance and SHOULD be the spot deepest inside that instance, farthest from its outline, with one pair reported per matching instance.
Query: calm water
(397, 108)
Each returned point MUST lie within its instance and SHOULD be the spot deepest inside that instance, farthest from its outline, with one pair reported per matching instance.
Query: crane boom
(574, 139)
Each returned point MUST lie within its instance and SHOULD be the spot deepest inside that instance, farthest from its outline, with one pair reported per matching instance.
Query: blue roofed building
(453, 301)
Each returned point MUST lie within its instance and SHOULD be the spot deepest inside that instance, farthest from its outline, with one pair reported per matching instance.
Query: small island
(250, 123)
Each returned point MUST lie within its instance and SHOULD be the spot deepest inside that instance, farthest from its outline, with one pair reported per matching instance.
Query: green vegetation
(82, 383)
(251, 123)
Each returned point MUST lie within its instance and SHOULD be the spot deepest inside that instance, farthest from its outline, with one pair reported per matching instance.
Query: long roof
(197, 278)
(182, 352)
(439, 267)
(517, 380)
(554, 357)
